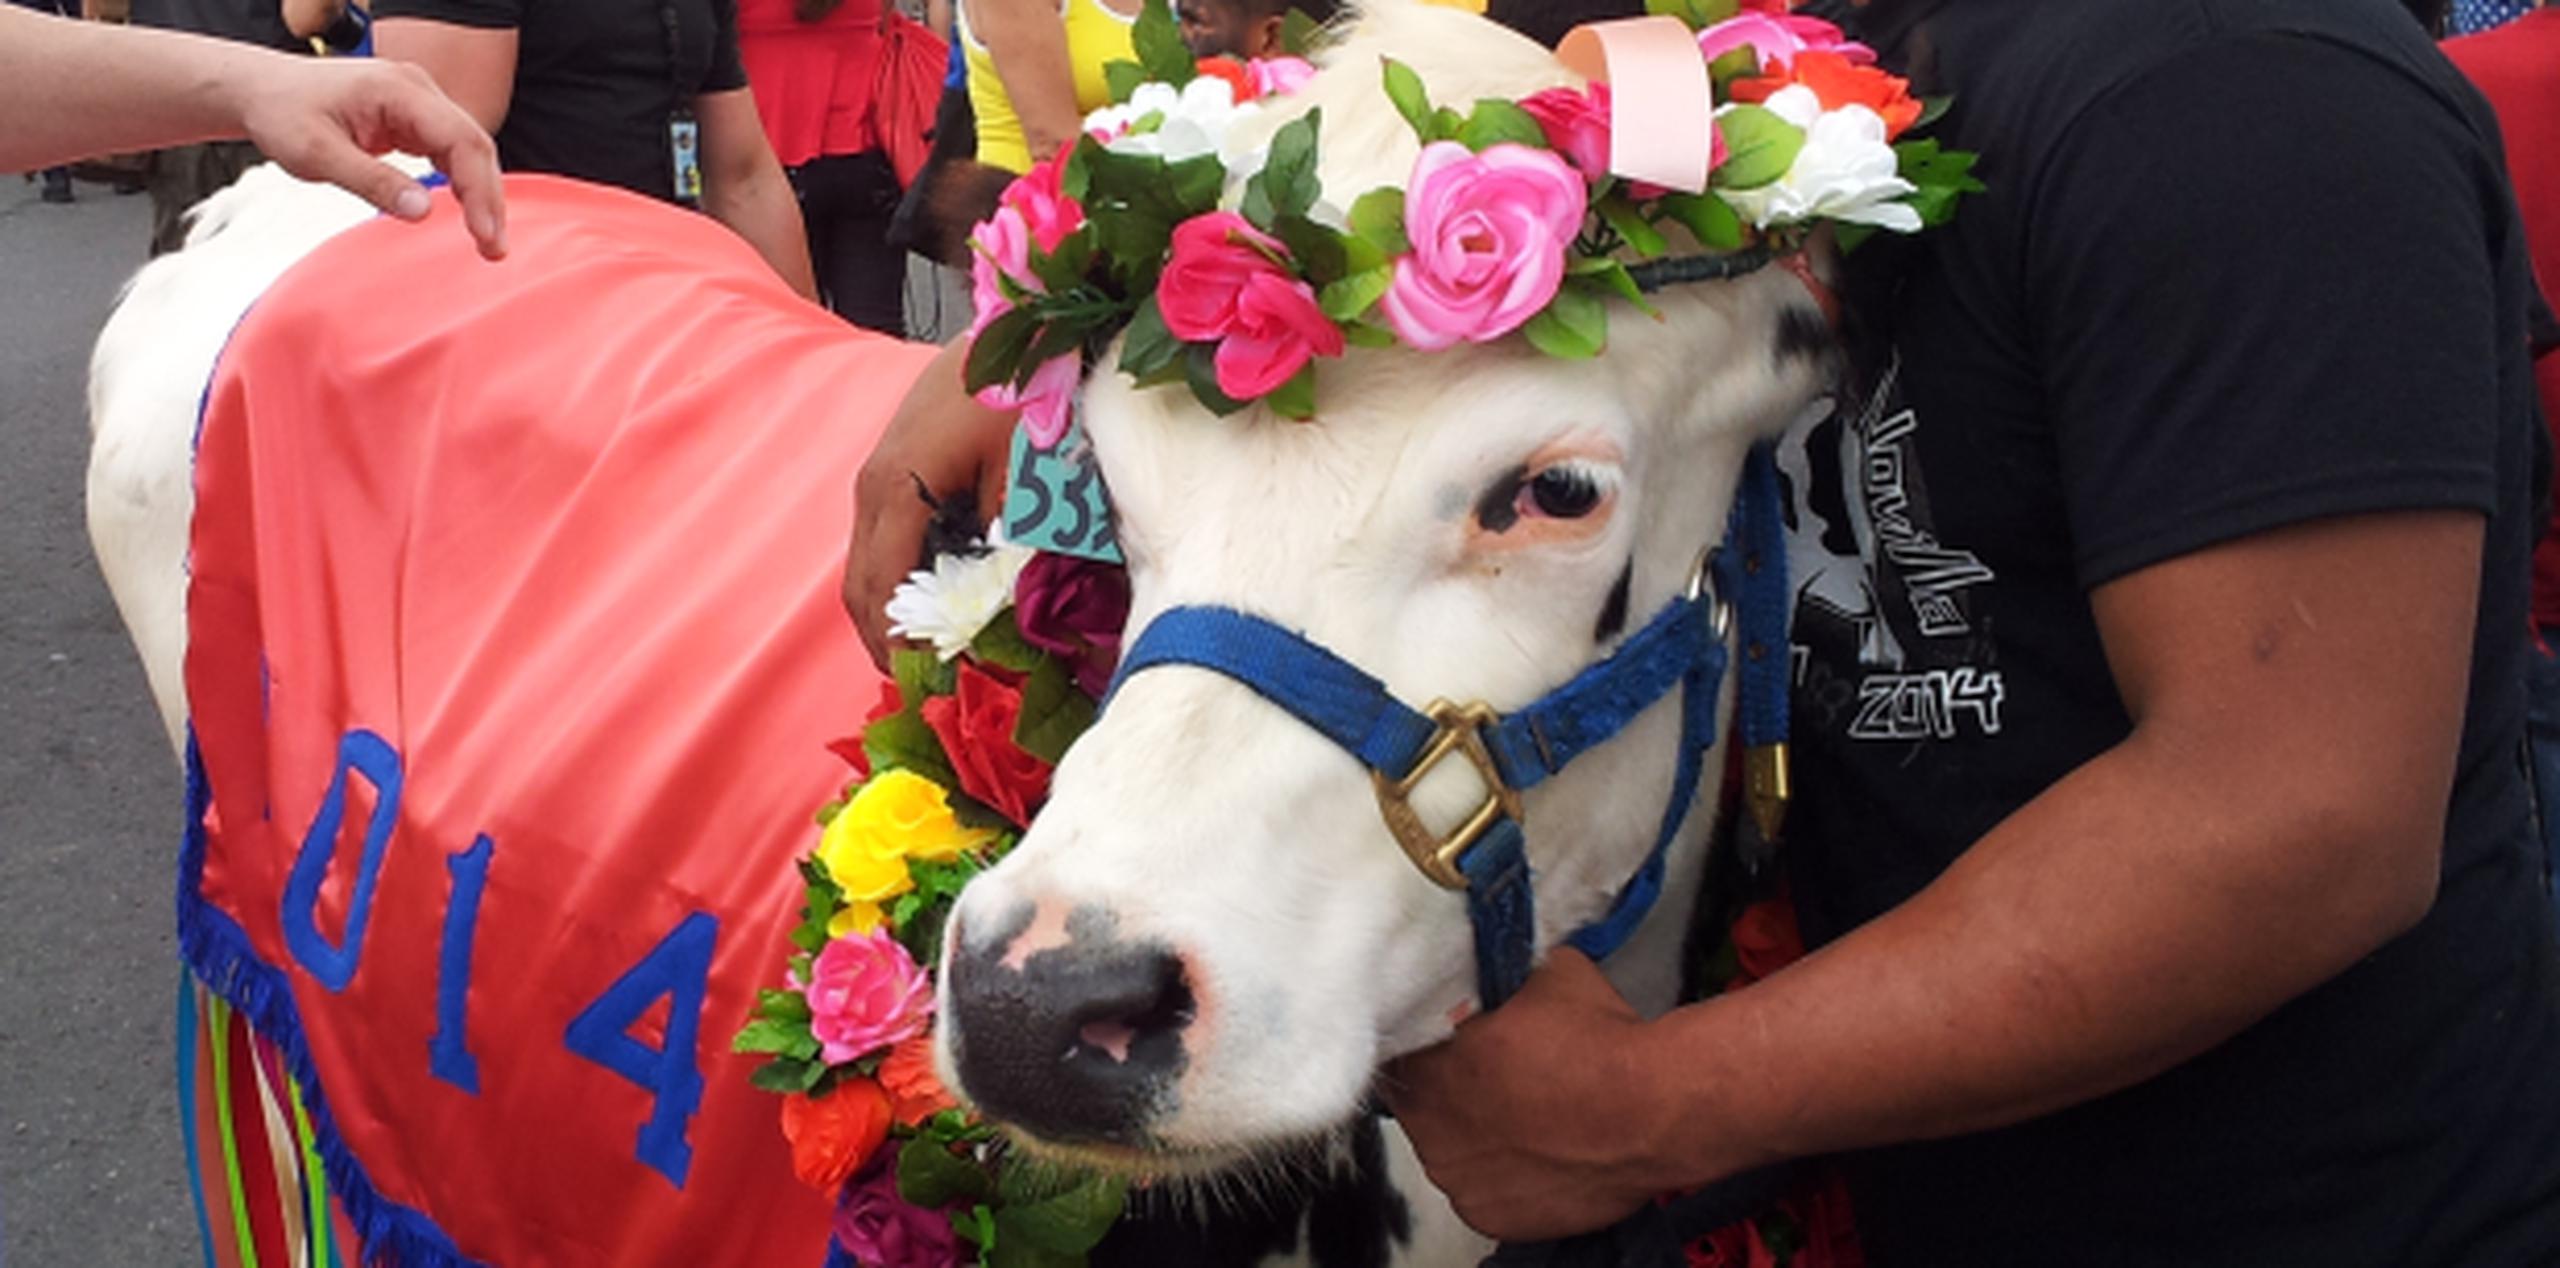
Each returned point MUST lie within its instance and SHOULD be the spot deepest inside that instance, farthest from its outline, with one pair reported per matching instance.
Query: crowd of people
(2227, 937)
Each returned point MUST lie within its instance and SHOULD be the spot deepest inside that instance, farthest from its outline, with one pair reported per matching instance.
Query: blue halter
(1683, 646)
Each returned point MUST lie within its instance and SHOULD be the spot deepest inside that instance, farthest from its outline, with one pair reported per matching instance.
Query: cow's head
(1209, 940)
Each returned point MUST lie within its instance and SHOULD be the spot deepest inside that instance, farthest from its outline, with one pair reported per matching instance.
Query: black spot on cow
(1350, 1218)
(1613, 612)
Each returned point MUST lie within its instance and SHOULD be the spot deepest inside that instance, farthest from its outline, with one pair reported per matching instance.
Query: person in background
(648, 95)
(813, 66)
(71, 89)
(2470, 17)
(1035, 71)
(181, 176)
(1246, 29)
(2517, 67)
(57, 178)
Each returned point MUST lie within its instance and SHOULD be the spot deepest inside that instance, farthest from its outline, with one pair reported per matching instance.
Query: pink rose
(1576, 122)
(882, 1230)
(1074, 608)
(1041, 196)
(1776, 39)
(1277, 75)
(1224, 281)
(1047, 402)
(1000, 247)
(865, 993)
(1490, 232)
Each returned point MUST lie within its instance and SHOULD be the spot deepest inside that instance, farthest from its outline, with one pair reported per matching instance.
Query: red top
(2517, 67)
(812, 80)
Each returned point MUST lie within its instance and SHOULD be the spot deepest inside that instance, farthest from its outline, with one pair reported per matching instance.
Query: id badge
(684, 144)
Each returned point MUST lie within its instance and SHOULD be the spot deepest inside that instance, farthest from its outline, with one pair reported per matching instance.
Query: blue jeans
(2542, 737)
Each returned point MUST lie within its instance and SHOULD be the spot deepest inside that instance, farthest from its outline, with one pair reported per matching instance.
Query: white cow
(1476, 525)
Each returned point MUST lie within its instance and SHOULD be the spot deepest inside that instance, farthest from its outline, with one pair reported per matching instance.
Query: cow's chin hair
(1194, 1178)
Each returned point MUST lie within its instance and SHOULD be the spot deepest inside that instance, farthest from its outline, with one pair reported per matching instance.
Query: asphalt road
(90, 1168)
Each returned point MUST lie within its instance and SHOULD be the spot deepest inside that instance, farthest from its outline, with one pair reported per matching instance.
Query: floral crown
(1232, 274)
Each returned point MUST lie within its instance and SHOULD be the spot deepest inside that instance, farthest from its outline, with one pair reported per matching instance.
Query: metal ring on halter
(1701, 586)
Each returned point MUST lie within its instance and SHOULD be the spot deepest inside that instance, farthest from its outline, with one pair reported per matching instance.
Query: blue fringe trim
(218, 951)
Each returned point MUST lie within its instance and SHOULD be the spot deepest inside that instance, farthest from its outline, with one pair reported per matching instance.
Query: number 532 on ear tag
(1054, 499)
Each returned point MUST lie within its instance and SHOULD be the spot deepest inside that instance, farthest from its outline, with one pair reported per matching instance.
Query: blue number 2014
(679, 967)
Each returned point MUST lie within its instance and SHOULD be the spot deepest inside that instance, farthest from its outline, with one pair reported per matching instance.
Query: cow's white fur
(1196, 813)
(1205, 820)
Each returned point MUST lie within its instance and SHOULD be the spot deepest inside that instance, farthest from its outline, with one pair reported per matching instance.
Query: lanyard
(684, 132)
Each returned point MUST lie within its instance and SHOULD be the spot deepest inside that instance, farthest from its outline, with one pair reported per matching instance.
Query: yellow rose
(863, 865)
(905, 814)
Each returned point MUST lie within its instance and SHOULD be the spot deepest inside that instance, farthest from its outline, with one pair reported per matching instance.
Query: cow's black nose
(1078, 1042)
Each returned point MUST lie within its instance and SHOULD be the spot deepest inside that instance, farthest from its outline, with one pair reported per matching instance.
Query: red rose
(1075, 609)
(1576, 122)
(1232, 71)
(975, 724)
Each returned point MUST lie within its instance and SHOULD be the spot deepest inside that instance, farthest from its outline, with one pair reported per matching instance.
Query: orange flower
(1837, 82)
(833, 1134)
(1232, 71)
(915, 1092)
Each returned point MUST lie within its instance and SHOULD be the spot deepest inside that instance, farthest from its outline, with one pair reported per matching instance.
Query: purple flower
(882, 1230)
(1074, 608)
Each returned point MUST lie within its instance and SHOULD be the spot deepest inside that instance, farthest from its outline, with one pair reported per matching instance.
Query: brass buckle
(1461, 731)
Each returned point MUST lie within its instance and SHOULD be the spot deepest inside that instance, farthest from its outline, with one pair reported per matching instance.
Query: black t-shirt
(2243, 263)
(259, 22)
(597, 80)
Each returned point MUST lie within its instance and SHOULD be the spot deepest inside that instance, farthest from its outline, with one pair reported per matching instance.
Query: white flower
(951, 603)
(1846, 171)
(1173, 124)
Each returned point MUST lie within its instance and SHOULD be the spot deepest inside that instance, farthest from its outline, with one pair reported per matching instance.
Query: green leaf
(1288, 177)
(1405, 89)
(902, 741)
(790, 1039)
(787, 1075)
(975, 1225)
(1613, 275)
(1574, 327)
(1348, 299)
(1158, 41)
(1056, 339)
(1297, 397)
(1070, 1221)
(1147, 346)
(1299, 34)
(1321, 254)
(997, 351)
(1121, 79)
(1494, 122)
(1200, 370)
(1707, 218)
(1759, 147)
(1932, 109)
(1193, 185)
(1377, 218)
(920, 674)
(930, 1175)
(1630, 224)
(1362, 334)
(1010, 1251)
(1001, 643)
(1741, 63)
(1054, 713)
(1943, 176)
(778, 1005)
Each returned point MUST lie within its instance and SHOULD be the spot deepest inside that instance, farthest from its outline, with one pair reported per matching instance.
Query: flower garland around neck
(949, 768)
(1231, 273)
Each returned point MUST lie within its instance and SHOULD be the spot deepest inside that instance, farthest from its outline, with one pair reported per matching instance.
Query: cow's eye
(1566, 491)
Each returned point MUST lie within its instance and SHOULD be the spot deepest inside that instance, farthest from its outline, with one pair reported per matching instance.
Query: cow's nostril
(1080, 1041)
(1133, 1028)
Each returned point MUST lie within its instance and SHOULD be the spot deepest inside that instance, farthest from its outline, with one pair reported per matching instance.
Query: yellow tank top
(1095, 35)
